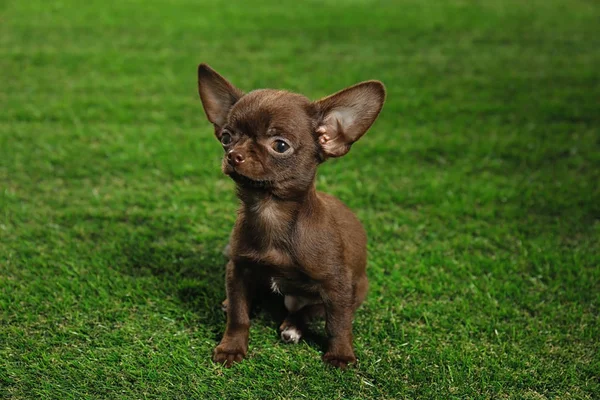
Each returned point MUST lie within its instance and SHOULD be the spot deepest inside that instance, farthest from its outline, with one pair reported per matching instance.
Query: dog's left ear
(346, 115)
(217, 94)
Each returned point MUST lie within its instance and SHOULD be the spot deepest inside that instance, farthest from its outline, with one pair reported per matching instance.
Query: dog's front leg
(338, 324)
(234, 345)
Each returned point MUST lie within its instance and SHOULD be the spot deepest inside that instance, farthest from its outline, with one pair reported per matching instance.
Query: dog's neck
(272, 218)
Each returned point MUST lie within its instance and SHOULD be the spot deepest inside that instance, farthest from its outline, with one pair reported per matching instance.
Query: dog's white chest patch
(269, 214)
(272, 220)
(274, 286)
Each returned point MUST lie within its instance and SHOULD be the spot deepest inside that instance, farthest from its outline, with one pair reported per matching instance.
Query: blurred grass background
(478, 186)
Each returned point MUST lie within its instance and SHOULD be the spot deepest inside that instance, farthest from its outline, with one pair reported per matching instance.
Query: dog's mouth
(246, 182)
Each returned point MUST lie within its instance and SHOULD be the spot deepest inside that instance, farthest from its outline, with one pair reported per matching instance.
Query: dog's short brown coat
(288, 237)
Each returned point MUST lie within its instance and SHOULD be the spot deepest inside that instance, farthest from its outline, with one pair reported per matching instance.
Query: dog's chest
(270, 220)
(294, 283)
(265, 235)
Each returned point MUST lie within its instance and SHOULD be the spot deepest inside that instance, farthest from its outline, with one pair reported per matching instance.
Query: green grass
(478, 186)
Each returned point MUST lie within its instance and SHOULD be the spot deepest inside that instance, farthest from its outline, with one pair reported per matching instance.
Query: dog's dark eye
(280, 146)
(225, 138)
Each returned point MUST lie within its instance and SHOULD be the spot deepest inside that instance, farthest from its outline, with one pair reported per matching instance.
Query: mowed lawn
(478, 186)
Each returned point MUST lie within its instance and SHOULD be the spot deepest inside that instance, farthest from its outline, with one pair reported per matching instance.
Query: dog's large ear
(346, 115)
(217, 94)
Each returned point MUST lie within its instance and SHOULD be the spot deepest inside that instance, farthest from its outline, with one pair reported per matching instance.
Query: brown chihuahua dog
(289, 238)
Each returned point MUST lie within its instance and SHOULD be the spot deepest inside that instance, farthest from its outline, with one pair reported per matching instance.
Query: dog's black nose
(235, 157)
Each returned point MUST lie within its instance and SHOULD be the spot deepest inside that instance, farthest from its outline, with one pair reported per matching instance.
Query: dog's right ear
(217, 95)
(346, 115)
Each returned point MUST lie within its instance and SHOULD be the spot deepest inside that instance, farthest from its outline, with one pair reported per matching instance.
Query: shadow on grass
(186, 271)
(196, 276)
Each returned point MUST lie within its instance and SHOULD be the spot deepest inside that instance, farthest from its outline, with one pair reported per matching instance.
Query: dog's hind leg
(295, 323)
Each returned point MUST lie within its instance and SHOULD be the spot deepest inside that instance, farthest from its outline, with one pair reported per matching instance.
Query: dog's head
(274, 140)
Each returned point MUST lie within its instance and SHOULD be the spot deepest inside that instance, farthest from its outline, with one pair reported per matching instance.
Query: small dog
(289, 238)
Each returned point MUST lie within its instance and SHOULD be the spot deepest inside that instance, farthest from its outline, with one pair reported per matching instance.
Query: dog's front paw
(339, 360)
(228, 355)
